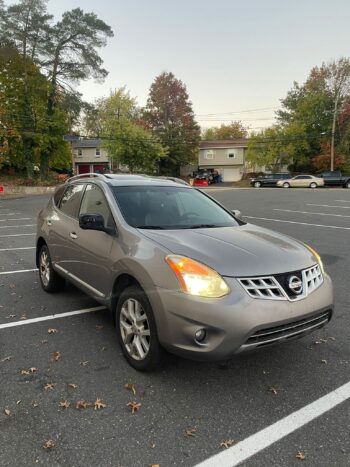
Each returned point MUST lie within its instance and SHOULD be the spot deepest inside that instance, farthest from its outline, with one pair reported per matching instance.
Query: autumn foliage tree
(169, 115)
(233, 130)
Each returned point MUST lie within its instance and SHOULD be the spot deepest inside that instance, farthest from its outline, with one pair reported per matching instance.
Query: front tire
(347, 185)
(50, 281)
(257, 184)
(286, 185)
(136, 329)
(313, 185)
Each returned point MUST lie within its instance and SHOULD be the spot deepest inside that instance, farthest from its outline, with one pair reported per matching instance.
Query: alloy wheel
(44, 267)
(135, 329)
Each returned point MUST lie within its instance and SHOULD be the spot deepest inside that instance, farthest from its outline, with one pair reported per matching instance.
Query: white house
(89, 156)
(226, 156)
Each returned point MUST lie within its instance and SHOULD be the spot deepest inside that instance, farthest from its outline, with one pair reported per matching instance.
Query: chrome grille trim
(268, 288)
(291, 330)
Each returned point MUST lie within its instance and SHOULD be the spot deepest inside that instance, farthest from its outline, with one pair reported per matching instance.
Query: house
(226, 156)
(88, 155)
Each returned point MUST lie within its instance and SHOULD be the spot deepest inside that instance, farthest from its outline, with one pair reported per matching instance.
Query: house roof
(87, 143)
(224, 143)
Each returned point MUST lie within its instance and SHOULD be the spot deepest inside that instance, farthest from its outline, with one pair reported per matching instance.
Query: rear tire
(286, 185)
(137, 331)
(50, 281)
(313, 185)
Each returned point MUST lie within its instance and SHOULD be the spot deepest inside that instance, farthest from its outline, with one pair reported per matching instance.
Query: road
(230, 401)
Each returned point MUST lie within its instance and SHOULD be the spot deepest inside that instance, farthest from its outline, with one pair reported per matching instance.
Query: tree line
(42, 61)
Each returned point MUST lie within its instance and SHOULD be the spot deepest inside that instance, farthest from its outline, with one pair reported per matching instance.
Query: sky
(234, 56)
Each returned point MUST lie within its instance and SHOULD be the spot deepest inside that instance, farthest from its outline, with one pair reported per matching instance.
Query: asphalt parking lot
(75, 360)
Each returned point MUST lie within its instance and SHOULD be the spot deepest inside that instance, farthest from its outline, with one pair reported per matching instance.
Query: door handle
(73, 235)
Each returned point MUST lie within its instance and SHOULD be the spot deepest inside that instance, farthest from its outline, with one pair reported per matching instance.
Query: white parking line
(22, 248)
(328, 206)
(5, 273)
(49, 317)
(13, 226)
(10, 214)
(315, 213)
(20, 219)
(273, 433)
(16, 235)
(341, 201)
(294, 222)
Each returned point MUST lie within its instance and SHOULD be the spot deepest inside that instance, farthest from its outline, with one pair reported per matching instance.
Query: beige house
(225, 156)
(89, 156)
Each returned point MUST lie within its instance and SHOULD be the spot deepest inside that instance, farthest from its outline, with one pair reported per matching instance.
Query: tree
(233, 130)
(170, 117)
(115, 121)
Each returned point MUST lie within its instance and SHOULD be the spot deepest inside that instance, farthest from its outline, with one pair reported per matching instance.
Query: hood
(247, 250)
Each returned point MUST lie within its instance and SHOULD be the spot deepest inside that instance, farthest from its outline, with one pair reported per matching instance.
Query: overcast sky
(232, 55)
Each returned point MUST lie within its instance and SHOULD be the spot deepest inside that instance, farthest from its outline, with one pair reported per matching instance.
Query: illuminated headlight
(196, 278)
(316, 255)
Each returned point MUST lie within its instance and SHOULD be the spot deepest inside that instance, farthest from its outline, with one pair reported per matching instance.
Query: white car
(301, 181)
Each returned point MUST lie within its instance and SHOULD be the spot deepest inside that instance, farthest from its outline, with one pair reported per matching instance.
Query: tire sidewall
(313, 185)
(257, 184)
(153, 358)
(286, 185)
(47, 287)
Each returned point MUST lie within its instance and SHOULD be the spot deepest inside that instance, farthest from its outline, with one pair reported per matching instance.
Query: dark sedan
(268, 180)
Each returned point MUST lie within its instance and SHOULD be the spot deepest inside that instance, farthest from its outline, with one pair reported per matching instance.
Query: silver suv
(178, 270)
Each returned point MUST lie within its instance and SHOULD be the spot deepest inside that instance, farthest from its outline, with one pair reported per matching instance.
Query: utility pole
(333, 130)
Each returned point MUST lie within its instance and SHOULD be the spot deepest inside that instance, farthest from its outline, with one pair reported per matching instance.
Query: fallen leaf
(52, 330)
(99, 327)
(274, 390)
(131, 387)
(45, 341)
(29, 371)
(226, 443)
(81, 404)
(154, 465)
(49, 386)
(48, 444)
(152, 445)
(98, 404)
(72, 385)
(84, 363)
(190, 432)
(35, 404)
(7, 412)
(5, 359)
(56, 356)
(134, 406)
(12, 286)
(65, 404)
(18, 402)
(23, 317)
(300, 456)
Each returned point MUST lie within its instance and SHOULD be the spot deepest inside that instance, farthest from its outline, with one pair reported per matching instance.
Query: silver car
(301, 181)
(178, 270)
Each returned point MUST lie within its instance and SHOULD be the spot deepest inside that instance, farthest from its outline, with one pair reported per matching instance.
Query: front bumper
(237, 322)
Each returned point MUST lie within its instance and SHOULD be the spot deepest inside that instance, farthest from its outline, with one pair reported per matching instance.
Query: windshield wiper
(202, 226)
(151, 227)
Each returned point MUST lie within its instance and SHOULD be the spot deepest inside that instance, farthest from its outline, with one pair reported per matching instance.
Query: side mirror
(94, 222)
(237, 213)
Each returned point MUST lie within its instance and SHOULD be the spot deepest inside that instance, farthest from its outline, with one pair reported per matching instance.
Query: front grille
(277, 287)
(287, 331)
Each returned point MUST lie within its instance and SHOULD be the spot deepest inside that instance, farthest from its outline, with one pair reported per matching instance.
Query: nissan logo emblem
(295, 284)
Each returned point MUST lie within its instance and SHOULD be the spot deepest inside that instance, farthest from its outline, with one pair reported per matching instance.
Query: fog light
(200, 335)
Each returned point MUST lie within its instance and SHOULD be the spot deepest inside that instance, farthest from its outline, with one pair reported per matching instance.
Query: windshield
(157, 207)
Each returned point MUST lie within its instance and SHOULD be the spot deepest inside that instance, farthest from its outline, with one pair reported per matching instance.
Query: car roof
(130, 180)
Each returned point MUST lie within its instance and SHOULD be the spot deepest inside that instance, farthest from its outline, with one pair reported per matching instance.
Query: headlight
(316, 255)
(196, 278)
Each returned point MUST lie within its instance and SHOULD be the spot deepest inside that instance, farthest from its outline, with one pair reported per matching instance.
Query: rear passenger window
(71, 199)
(58, 193)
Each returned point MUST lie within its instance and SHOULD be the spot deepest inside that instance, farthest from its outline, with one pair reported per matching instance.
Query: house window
(80, 152)
(231, 155)
(209, 155)
(98, 152)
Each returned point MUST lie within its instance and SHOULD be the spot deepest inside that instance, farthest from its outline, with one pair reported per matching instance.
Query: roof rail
(87, 175)
(175, 179)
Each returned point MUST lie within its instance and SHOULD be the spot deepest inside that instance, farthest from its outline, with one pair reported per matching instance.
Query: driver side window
(94, 202)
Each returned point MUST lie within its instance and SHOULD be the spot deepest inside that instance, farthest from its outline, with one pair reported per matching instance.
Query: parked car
(335, 178)
(301, 181)
(178, 270)
(268, 180)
